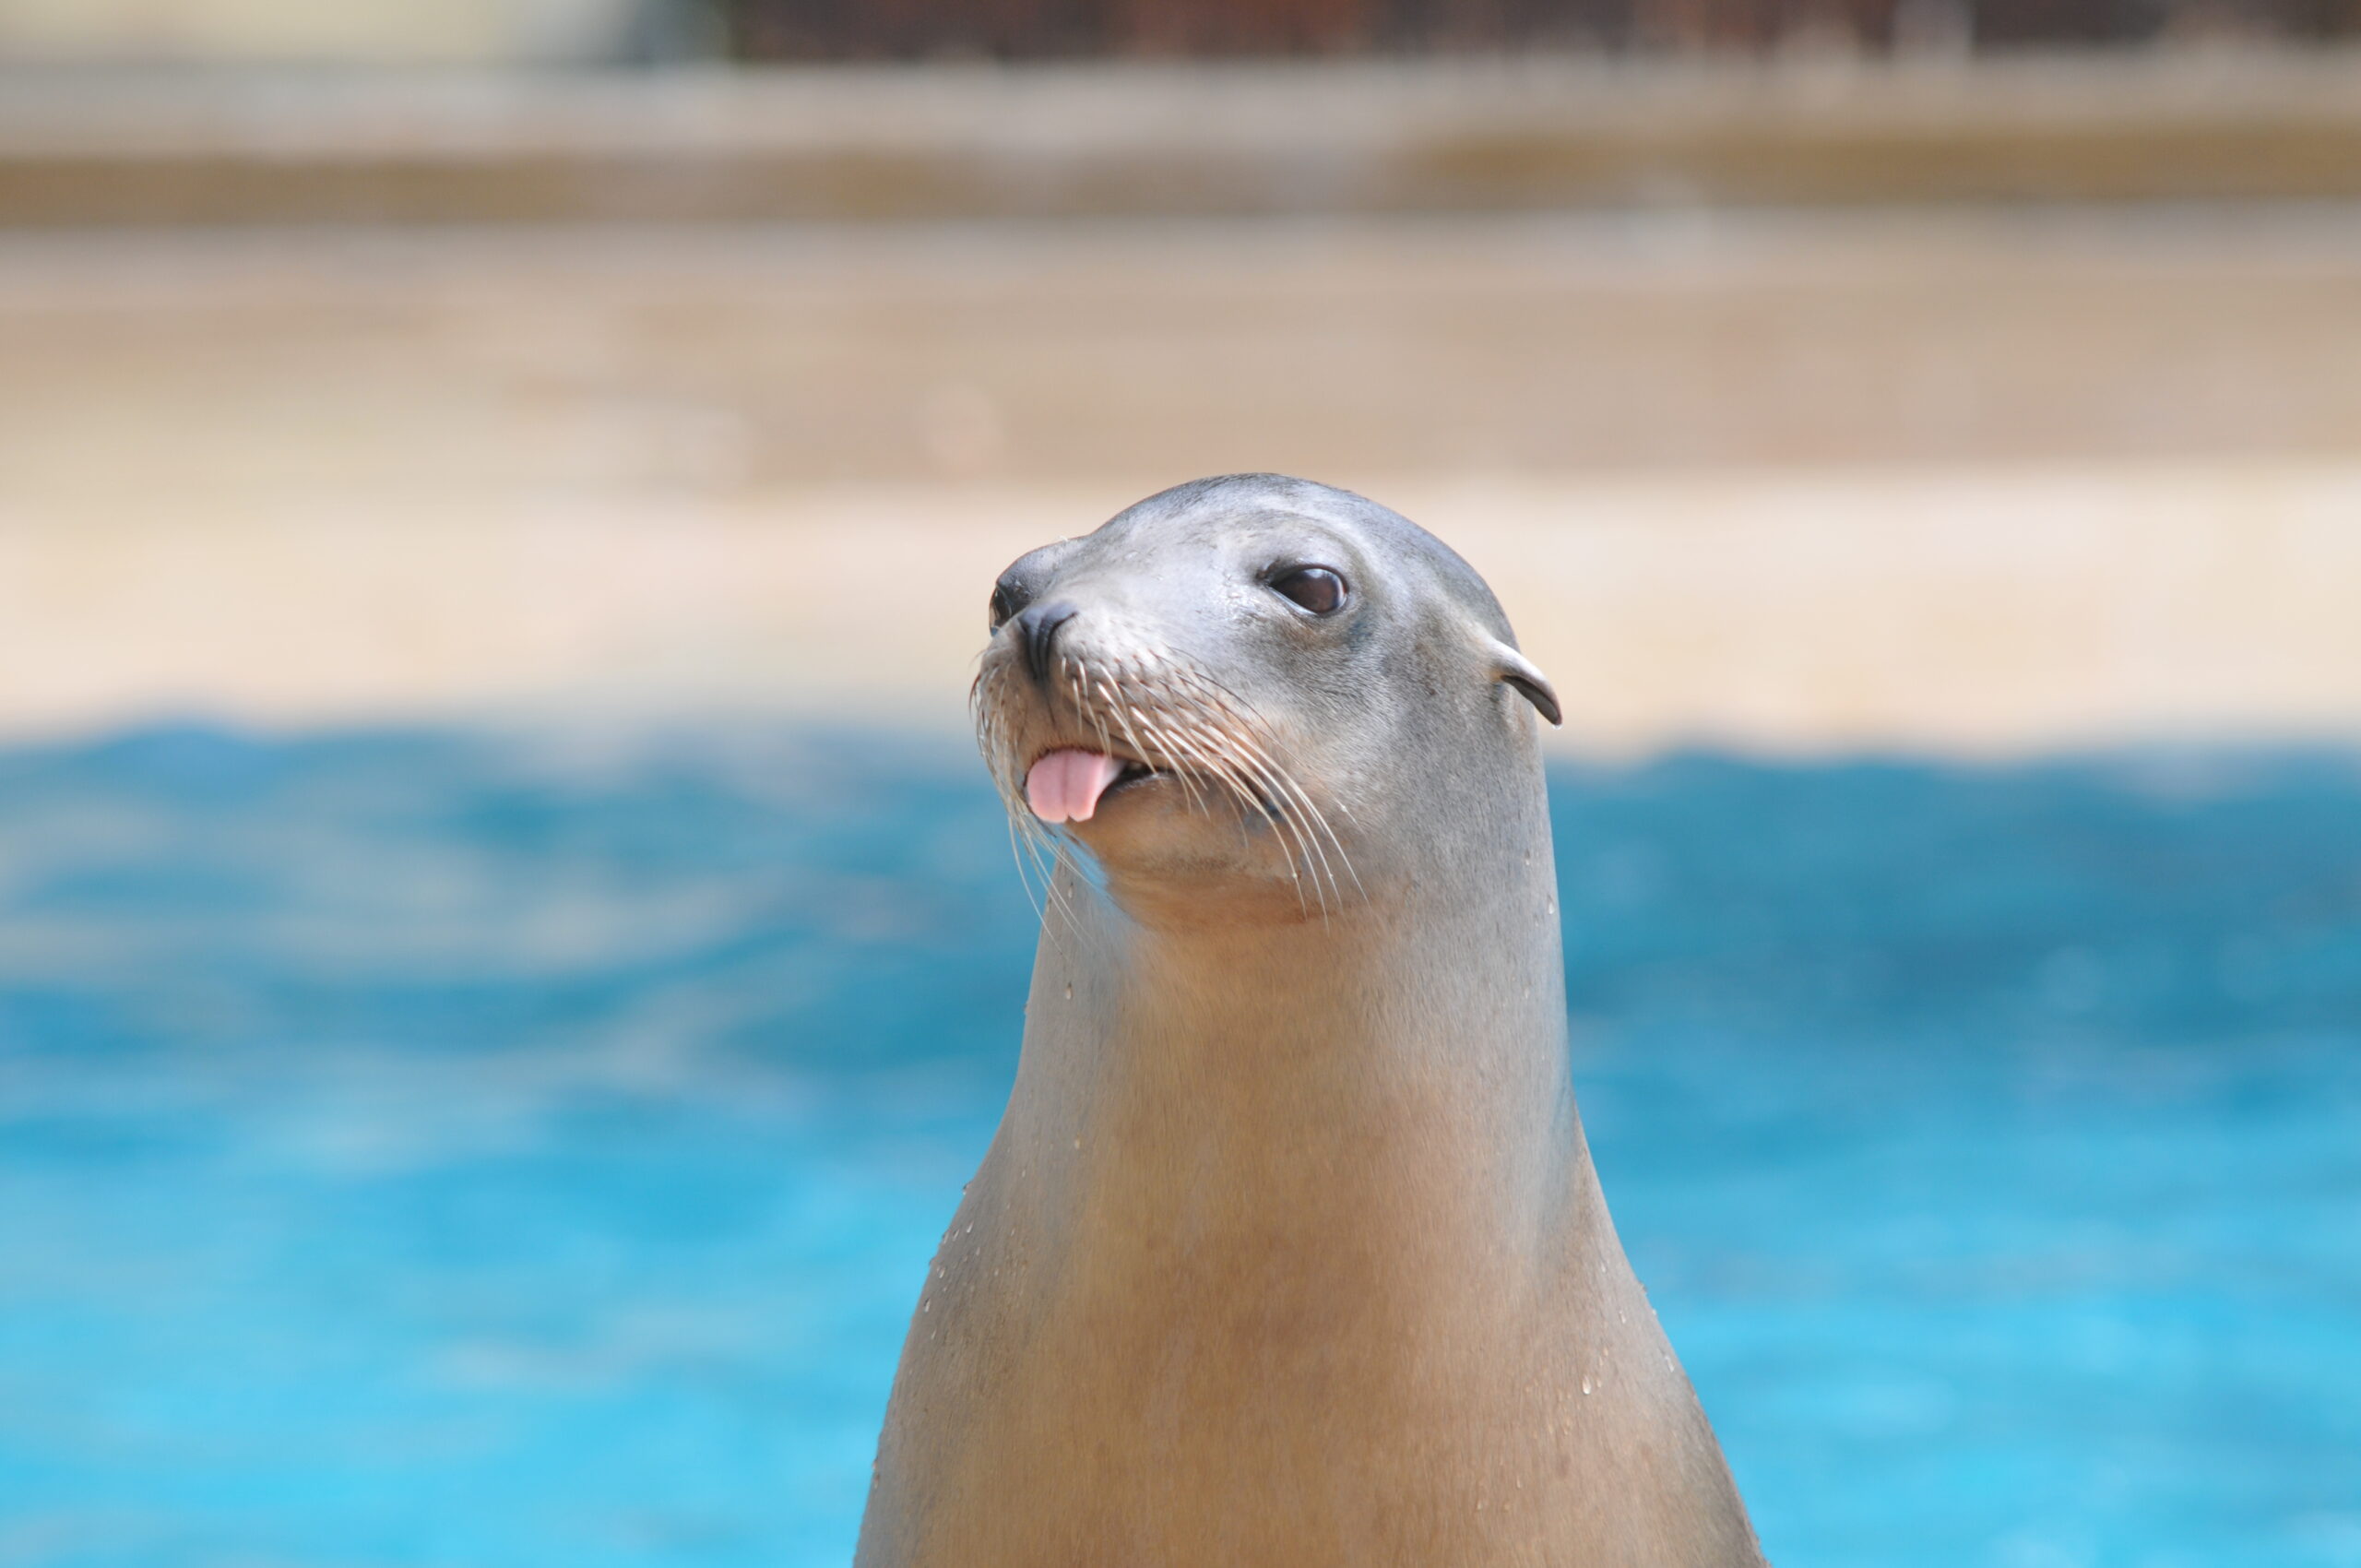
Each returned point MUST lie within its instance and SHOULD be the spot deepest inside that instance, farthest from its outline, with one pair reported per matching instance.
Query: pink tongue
(1065, 786)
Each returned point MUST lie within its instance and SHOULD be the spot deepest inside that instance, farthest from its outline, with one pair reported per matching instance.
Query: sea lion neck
(1417, 1006)
(1288, 1248)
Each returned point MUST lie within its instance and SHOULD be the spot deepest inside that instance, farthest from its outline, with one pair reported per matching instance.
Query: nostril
(1039, 627)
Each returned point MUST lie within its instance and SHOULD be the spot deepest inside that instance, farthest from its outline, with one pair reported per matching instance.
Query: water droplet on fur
(1069, 991)
(1585, 1385)
(1077, 1142)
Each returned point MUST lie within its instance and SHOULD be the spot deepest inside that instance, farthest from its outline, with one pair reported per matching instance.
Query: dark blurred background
(840, 29)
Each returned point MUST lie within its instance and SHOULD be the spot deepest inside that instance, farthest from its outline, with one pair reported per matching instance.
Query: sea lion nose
(1038, 627)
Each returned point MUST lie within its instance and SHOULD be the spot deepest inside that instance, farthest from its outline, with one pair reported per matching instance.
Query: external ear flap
(1530, 682)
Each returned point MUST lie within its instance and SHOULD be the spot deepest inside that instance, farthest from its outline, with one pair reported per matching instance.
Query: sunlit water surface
(420, 1148)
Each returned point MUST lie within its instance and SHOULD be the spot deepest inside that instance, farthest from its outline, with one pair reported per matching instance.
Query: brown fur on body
(1289, 1250)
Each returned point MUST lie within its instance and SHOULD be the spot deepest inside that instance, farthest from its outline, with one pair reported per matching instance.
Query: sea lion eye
(1317, 588)
(1007, 600)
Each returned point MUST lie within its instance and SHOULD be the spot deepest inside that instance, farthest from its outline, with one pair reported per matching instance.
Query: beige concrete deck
(1980, 481)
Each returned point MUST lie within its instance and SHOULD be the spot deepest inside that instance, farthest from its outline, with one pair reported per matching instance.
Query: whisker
(1029, 845)
(1175, 717)
(1084, 676)
(1169, 746)
(1295, 805)
(1244, 732)
(1214, 745)
(1286, 782)
(1202, 750)
(1305, 850)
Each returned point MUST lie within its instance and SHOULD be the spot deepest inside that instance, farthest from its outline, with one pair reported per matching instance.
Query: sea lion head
(1256, 696)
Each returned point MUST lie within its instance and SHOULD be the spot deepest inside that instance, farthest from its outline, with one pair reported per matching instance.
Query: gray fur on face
(1178, 652)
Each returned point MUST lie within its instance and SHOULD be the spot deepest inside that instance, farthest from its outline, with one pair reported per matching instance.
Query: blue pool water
(420, 1148)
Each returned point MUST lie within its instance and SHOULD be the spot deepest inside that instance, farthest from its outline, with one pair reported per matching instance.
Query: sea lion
(1289, 1250)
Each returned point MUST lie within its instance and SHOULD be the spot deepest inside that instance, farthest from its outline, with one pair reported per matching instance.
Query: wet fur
(1289, 1250)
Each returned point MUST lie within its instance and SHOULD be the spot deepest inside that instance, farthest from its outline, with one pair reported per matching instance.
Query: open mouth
(1067, 785)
